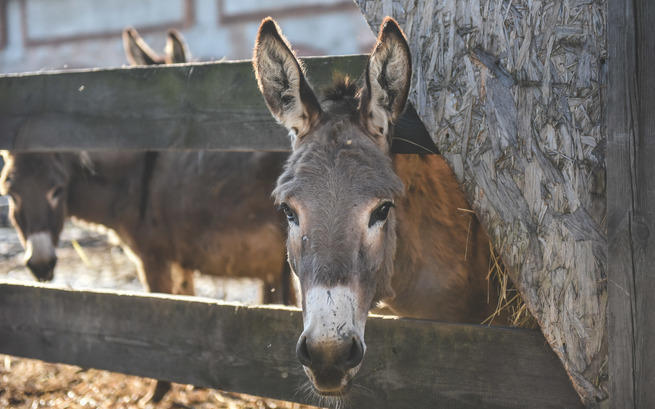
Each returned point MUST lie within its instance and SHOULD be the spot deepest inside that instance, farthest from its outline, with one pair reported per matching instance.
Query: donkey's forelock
(335, 157)
(343, 89)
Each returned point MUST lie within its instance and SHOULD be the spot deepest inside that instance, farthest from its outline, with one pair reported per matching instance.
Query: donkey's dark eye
(380, 213)
(56, 192)
(290, 214)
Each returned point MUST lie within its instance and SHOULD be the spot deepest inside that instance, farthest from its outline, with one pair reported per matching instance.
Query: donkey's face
(337, 191)
(37, 184)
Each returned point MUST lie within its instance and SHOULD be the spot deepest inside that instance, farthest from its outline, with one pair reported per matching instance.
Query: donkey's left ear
(176, 49)
(388, 77)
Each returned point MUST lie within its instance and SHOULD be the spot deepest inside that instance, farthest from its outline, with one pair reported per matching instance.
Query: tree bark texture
(512, 94)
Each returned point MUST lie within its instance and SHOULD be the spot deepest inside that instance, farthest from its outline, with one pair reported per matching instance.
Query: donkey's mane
(342, 88)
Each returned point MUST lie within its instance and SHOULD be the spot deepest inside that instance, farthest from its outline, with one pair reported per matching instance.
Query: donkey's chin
(45, 279)
(332, 382)
(43, 276)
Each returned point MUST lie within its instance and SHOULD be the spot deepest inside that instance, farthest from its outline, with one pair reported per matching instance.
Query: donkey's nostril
(302, 352)
(52, 263)
(355, 355)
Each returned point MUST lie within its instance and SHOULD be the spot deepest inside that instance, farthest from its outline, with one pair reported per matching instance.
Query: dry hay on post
(510, 91)
(509, 303)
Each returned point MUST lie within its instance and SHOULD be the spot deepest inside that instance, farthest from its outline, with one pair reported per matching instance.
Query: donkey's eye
(290, 214)
(56, 192)
(380, 214)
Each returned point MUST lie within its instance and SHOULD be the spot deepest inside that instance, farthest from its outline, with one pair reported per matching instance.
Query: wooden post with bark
(630, 200)
(512, 94)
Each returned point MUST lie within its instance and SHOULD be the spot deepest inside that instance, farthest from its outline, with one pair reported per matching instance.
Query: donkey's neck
(442, 254)
(106, 191)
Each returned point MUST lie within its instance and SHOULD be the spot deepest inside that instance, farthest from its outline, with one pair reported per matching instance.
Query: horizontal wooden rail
(409, 363)
(188, 106)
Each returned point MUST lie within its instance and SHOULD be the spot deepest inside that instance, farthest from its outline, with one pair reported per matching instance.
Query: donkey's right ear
(282, 82)
(136, 49)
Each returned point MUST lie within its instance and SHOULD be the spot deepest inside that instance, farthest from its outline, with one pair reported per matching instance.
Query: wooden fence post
(631, 201)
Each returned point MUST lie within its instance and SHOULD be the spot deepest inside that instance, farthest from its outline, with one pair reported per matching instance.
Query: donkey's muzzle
(330, 361)
(44, 270)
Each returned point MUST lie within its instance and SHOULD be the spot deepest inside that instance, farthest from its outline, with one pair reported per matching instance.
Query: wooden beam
(630, 197)
(186, 106)
(409, 363)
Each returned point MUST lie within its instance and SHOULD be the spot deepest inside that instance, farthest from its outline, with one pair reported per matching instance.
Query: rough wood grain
(630, 198)
(510, 92)
(189, 106)
(409, 363)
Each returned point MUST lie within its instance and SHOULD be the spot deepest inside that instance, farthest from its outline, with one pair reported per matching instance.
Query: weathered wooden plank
(189, 106)
(630, 198)
(409, 363)
(512, 94)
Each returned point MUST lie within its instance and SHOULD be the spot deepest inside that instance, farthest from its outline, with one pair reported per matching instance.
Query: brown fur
(442, 256)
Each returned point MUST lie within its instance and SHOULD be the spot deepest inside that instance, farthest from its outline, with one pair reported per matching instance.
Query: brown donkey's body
(205, 211)
(442, 254)
(198, 214)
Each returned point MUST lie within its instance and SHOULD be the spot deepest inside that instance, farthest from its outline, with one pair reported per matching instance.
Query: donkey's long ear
(281, 80)
(136, 49)
(388, 77)
(176, 49)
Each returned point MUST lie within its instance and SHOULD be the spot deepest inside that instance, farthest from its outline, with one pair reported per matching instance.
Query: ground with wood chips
(30, 384)
(87, 259)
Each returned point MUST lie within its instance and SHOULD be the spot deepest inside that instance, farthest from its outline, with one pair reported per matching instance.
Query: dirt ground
(31, 384)
(88, 259)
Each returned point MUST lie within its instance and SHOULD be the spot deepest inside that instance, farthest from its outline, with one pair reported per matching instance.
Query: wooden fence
(191, 106)
(409, 363)
(630, 203)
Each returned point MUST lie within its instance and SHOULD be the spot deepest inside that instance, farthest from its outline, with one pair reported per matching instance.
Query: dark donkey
(175, 212)
(355, 241)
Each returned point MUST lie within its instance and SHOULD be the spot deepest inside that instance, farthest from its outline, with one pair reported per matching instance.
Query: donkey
(365, 229)
(174, 212)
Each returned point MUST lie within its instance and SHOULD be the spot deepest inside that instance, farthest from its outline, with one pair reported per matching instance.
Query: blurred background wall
(40, 35)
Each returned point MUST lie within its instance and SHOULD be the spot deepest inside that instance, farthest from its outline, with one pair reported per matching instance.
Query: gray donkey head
(337, 191)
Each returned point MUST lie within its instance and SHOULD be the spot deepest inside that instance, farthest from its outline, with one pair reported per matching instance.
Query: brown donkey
(365, 230)
(175, 212)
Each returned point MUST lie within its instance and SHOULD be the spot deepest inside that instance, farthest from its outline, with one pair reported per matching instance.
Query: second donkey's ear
(281, 80)
(136, 49)
(176, 49)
